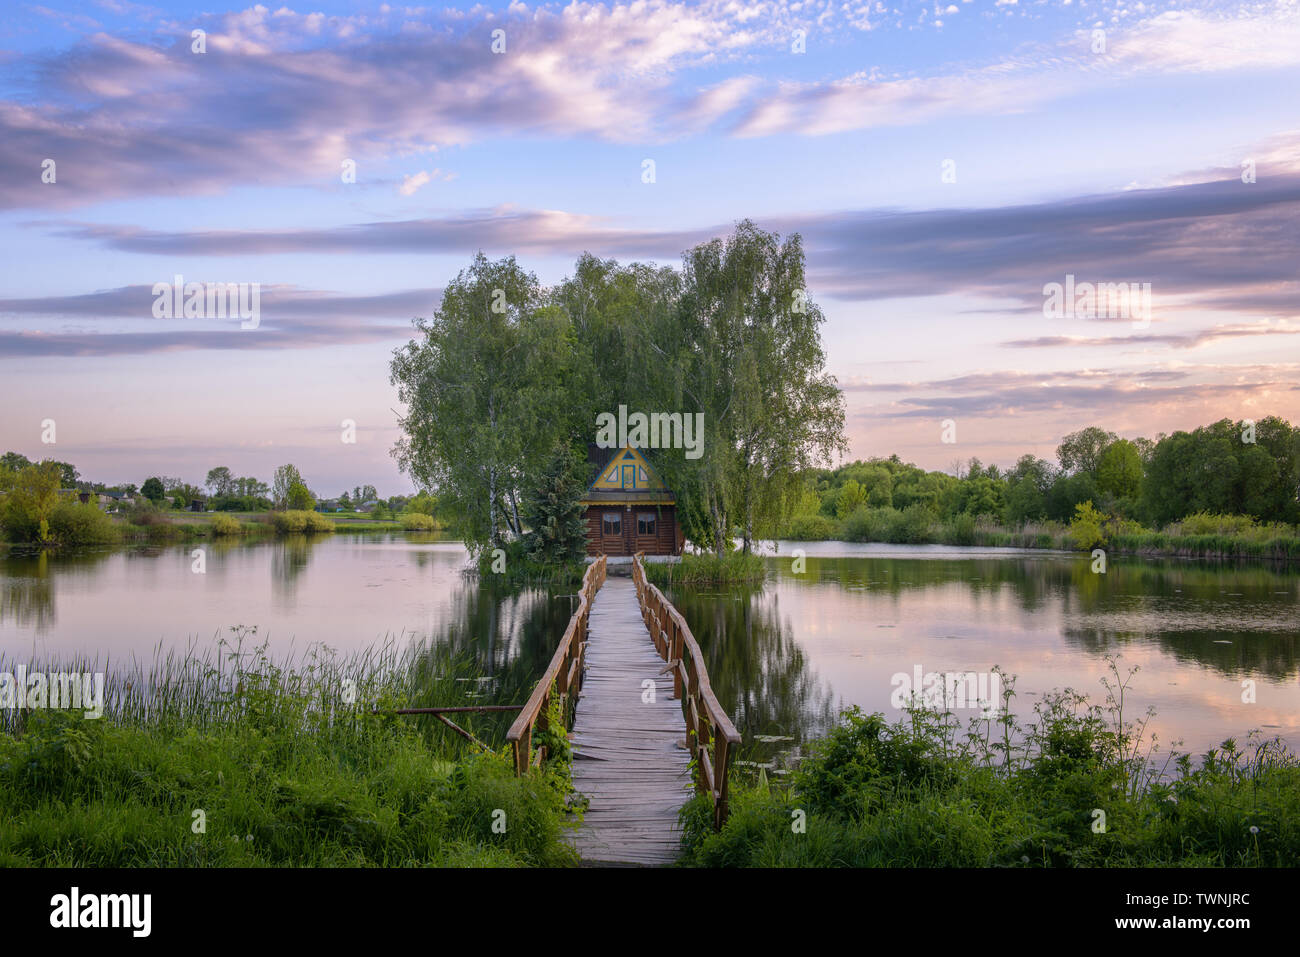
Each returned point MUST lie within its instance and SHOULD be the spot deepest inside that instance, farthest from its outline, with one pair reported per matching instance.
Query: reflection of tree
(508, 632)
(1186, 608)
(27, 591)
(27, 583)
(1236, 619)
(288, 560)
(758, 671)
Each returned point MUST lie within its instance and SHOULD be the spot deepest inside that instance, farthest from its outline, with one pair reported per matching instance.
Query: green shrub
(1086, 528)
(922, 793)
(811, 528)
(417, 522)
(298, 521)
(72, 523)
(225, 525)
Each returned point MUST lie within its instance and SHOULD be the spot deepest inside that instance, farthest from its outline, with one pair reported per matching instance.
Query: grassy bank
(287, 764)
(1202, 535)
(733, 568)
(1075, 787)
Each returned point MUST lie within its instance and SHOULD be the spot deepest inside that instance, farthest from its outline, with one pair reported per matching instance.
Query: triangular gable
(612, 477)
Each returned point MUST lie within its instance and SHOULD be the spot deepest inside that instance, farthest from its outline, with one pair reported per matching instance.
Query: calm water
(349, 592)
(783, 659)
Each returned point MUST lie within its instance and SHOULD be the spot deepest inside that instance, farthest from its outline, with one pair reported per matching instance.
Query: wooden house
(629, 509)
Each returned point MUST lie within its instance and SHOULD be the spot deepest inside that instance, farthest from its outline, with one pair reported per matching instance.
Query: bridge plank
(629, 761)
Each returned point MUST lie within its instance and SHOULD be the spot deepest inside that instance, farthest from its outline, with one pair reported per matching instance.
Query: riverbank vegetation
(734, 567)
(1224, 490)
(1076, 786)
(233, 759)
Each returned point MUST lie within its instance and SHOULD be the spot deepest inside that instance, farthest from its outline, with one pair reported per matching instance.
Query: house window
(611, 524)
(645, 523)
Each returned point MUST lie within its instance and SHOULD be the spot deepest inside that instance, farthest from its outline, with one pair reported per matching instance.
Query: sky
(945, 163)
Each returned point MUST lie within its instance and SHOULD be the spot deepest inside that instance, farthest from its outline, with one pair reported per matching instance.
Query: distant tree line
(1229, 467)
(36, 498)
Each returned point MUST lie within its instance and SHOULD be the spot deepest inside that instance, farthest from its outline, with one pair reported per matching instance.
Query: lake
(783, 659)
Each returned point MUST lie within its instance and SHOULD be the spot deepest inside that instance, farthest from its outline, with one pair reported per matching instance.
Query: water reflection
(786, 658)
(783, 659)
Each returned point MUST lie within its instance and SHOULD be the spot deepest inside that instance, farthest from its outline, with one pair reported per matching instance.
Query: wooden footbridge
(645, 723)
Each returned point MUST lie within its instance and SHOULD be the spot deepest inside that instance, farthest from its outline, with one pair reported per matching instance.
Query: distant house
(111, 500)
(199, 504)
(329, 505)
(629, 509)
(368, 505)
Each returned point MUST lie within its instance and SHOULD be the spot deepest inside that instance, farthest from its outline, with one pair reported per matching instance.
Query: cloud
(282, 97)
(286, 97)
(1221, 244)
(291, 318)
(1154, 395)
(1189, 340)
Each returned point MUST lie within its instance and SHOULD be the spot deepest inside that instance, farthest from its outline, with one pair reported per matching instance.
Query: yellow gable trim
(643, 478)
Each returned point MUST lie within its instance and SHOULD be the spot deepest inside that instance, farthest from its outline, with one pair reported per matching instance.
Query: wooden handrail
(705, 717)
(564, 673)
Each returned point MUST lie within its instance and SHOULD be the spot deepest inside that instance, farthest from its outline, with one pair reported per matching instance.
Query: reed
(294, 761)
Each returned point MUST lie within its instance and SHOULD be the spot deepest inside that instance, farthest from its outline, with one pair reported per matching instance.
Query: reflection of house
(630, 509)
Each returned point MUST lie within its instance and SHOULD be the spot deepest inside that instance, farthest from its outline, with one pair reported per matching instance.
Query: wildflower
(1254, 829)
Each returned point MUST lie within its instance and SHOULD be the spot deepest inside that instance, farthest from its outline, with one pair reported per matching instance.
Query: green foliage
(734, 567)
(422, 503)
(555, 515)
(924, 792)
(299, 498)
(72, 523)
(482, 385)
(153, 490)
(286, 477)
(223, 525)
(850, 499)
(1086, 528)
(1081, 452)
(288, 770)
(299, 521)
(30, 497)
(1215, 469)
(417, 522)
(811, 528)
(733, 337)
(1119, 471)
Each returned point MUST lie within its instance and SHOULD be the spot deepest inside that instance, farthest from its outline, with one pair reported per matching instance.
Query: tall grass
(288, 763)
(707, 569)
